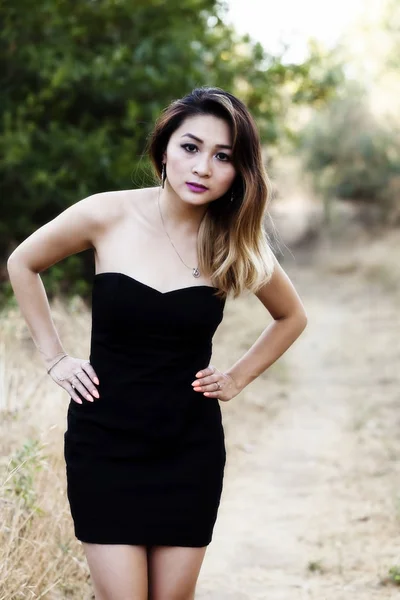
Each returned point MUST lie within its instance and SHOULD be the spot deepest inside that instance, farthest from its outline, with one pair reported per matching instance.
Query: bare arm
(283, 303)
(73, 231)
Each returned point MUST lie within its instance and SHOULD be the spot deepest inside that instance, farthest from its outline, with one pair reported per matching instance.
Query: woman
(144, 450)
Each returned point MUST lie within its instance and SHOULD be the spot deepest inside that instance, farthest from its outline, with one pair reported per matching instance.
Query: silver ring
(218, 384)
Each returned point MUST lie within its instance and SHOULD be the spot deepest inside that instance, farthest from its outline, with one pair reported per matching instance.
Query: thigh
(173, 571)
(118, 571)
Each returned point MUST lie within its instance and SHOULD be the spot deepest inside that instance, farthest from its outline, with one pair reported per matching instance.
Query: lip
(196, 187)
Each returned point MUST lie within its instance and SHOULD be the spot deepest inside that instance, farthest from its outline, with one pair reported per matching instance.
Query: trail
(309, 502)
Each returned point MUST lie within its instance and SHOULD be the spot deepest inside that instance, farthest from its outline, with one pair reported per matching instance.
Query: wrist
(235, 378)
(51, 361)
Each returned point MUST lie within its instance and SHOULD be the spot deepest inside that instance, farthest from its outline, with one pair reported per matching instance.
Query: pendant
(195, 272)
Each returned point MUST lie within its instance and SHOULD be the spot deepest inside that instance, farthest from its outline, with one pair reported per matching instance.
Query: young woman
(144, 445)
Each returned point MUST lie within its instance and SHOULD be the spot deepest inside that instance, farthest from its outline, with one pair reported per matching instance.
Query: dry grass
(39, 554)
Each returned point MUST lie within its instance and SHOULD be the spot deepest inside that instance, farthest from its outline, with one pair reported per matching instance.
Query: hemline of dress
(141, 542)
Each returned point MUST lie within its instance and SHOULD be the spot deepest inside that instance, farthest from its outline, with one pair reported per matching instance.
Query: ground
(310, 507)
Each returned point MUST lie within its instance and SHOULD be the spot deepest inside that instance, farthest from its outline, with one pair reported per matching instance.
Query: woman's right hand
(75, 375)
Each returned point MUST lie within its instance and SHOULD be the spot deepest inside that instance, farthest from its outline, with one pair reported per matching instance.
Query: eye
(225, 158)
(189, 147)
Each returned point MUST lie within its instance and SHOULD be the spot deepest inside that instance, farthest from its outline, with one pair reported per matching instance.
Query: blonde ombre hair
(233, 246)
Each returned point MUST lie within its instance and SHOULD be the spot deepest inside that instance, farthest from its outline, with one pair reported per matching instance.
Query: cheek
(227, 176)
(176, 163)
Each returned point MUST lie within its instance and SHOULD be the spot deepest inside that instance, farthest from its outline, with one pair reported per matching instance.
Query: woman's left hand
(207, 382)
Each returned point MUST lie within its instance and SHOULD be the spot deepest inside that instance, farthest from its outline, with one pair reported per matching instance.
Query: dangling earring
(163, 175)
(232, 196)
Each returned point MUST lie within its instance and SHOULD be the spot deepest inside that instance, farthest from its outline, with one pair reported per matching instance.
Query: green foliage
(315, 566)
(82, 84)
(394, 574)
(24, 464)
(352, 156)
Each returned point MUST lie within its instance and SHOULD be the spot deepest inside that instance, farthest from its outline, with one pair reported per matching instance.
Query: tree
(82, 84)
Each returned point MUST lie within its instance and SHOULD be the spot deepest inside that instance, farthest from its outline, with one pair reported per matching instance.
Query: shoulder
(107, 209)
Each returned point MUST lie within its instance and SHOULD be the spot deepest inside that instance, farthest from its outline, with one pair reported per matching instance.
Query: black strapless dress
(145, 461)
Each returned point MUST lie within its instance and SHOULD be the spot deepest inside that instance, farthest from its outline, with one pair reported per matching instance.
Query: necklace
(195, 270)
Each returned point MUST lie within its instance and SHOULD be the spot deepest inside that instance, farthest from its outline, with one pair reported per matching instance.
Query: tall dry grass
(39, 554)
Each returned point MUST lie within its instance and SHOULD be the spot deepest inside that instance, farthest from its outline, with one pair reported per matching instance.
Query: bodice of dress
(146, 348)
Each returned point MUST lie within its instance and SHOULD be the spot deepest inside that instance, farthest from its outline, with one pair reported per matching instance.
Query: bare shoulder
(109, 209)
(79, 227)
(136, 201)
(105, 208)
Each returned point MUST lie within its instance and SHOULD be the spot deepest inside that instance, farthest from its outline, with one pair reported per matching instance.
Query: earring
(163, 175)
(232, 196)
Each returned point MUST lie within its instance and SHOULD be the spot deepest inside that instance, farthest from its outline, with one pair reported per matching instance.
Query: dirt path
(310, 504)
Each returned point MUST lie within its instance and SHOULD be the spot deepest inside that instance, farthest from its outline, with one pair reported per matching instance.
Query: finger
(75, 382)
(216, 394)
(68, 387)
(207, 377)
(84, 379)
(204, 372)
(91, 372)
(209, 380)
(210, 387)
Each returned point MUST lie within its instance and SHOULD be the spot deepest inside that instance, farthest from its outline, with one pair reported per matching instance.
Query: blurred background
(311, 505)
(82, 88)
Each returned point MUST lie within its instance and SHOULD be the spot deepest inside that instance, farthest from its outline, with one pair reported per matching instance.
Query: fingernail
(96, 380)
(89, 397)
(95, 393)
(199, 374)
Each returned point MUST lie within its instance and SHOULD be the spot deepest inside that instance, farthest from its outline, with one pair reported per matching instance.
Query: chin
(185, 194)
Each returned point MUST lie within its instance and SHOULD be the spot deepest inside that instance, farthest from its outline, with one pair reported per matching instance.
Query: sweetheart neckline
(190, 287)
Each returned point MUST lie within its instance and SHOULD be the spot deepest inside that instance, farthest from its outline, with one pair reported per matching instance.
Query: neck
(177, 214)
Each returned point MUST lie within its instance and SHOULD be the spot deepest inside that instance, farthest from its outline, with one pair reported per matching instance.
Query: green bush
(353, 156)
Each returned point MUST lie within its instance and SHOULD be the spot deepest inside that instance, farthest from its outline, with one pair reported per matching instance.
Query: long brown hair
(233, 246)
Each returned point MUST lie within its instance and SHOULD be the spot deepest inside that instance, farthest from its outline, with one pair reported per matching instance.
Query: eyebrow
(201, 141)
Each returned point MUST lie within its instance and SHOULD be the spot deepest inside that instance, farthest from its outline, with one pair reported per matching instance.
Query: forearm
(34, 305)
(271, 344)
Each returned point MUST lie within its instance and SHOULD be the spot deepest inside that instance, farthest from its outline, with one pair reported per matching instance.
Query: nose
(202, 167)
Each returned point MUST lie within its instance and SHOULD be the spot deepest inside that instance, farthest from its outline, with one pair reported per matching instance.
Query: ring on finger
(218, 385)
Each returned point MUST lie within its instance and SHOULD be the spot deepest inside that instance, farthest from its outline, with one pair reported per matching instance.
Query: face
(199, 152)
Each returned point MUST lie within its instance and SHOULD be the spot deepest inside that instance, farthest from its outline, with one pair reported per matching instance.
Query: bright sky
(294, 21)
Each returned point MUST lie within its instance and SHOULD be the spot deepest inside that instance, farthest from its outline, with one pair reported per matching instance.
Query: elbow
(15, 263)
(296, 320)
(300, 319)
(11, 261)
(12, 257)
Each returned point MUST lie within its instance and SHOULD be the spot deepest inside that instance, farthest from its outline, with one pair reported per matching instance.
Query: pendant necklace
(195, 270)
